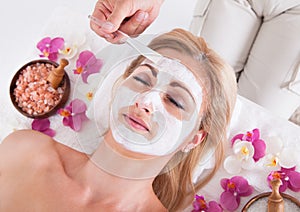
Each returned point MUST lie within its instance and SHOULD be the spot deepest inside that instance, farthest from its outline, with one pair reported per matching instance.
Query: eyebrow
(176, 84)
(153, 70)
(173, 84)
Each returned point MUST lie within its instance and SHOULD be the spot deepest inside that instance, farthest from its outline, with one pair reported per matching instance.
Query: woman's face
(156, 108)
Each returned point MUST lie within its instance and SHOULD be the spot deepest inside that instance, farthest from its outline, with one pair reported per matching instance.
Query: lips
(136, 123)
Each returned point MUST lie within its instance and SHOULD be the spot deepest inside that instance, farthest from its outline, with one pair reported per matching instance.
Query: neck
(114, 192)
(116, 161)
(117, 179)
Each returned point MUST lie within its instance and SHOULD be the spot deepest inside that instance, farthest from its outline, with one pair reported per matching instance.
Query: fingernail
(142, 16)
(108, 26)
(108, 36)
(122, 40)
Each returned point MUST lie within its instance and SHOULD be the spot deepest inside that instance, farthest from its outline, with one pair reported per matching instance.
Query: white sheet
(247, 116)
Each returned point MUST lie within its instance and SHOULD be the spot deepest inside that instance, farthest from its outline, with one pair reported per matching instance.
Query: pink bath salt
(32, 93)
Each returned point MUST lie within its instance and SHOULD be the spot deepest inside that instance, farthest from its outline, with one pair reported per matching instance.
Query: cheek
(124, 96)
(173, 111)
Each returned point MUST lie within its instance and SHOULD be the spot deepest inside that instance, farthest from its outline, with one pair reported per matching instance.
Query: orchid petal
(288, 158)
(271, 161)
(88, 64)
(83, 58)
(43, 126)
(42, 43)
(199, 203)
(260, 149)
(40, 124)
(224, 182)
(76, 122)
(53, 56)
(294, 181)
(284, 186)
(232, 164)
(256, 134)
(56, 44)
(92, 69)
(248, 164)
(228, 201)
(242, 185)
(49, 132)
(287, 170)
(213, 206)
(67, 121)
(74, 114)
(78, 106)
(243, 149)
(237, 137)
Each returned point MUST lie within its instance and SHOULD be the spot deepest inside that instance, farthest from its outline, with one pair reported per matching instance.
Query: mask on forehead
(140, 119)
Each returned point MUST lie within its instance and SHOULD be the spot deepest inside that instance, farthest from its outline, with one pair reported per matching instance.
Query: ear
(198, 138)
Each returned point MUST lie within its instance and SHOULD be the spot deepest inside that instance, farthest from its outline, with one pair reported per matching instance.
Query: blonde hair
(174, 187)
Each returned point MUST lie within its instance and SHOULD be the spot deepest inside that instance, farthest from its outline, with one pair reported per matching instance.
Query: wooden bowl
(65, 85)
(251, 205)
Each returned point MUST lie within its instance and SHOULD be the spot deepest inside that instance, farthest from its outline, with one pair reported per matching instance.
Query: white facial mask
(171, 131)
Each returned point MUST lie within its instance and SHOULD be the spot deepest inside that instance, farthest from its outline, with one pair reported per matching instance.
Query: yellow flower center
(45, 53)
(245, 150)
(89, 95)
(231, 185)
(276, 175)
(274, 162)
(65, 113)
(66, 51)
(202, 204)
(79, 70)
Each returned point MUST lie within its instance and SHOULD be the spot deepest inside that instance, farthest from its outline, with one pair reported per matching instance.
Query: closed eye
(174, 102)
(141, 81)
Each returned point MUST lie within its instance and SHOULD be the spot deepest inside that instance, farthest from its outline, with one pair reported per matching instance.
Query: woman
(160, 122)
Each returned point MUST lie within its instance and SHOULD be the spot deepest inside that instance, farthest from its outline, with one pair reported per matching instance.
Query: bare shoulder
(28, 149)
(27, 145)
(26, 140)
(33, 142)
(40, 150)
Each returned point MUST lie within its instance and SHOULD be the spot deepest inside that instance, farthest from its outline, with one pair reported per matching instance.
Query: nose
(146, 107)
(144, 103)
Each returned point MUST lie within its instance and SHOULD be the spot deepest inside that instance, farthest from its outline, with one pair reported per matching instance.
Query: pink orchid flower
(74, 114)
(235, 188)
(50, 47)
(289, 179)
(43, 126)
(200, 205)
(253, 137)
(87, 64)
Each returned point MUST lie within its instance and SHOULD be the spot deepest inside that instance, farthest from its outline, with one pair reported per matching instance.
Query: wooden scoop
(56, 75)
(275, 200)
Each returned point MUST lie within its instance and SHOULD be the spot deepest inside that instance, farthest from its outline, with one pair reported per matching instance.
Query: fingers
(136, 24)
(101, 12)
(133, 26)
(129, 16)
(121, 10)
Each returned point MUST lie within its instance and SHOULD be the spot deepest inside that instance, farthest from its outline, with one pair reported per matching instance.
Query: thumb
(119, 13)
